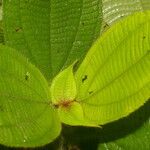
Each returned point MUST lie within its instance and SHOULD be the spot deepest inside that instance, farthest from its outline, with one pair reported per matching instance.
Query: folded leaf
(114, 78)
(63, 87)
(51, 33)
(27, 118)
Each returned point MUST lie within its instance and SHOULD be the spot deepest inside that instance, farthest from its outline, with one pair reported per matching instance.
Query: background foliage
(136, 133)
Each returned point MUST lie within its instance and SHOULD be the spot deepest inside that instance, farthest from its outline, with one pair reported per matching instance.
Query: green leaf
(114, 10)
(73, 115)
(52, 34)
(27, 118)
(63, 87)
(114, 78)
(134, 132)
(63, 94)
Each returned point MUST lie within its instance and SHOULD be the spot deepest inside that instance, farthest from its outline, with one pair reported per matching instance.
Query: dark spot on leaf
(18, 29)
(106, 25)
(56, 105)
(83, 23)
(144, 37)
(64, 103)
(1, 108)
(121, 16)
(90, 92)
(27, 76)
(84, 78)
(148, 52)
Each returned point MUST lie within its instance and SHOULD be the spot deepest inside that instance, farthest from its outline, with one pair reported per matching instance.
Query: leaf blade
(26, 115)
(51, 33)
(116, 71)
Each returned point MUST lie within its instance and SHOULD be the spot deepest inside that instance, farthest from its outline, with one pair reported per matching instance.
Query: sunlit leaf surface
(114, 78)
(27, 118)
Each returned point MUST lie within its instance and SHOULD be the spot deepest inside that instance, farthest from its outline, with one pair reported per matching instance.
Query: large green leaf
(51, 33)
(26, 116)
(114, 10)
(139, 139)
(114, 78)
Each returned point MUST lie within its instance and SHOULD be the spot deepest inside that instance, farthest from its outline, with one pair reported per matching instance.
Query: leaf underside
(114, 10)
(26, 117)
(114, 78)
(52, 34)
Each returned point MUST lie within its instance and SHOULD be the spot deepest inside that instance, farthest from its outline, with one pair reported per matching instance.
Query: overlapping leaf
(26, 117)
(114, 10)
(51, 33)
(114, 78)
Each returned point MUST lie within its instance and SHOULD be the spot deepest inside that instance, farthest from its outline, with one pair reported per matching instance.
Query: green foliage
(51, 33)
(118, 83)
(111, 82)
(26, 116)
(63, 87)
(63, 94)
(117, 71)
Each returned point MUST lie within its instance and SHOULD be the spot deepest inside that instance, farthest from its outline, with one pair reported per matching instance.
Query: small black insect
(83, 23)
(1, 108)
(144, 37)
(90, 92)
(106, 25)
(27, 76)
(18, 29)
(84, 78)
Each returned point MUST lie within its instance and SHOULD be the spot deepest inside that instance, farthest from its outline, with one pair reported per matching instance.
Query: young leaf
(63, 94)
(26, 117)
(52, 34)
(114, 78)
(63, 87)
